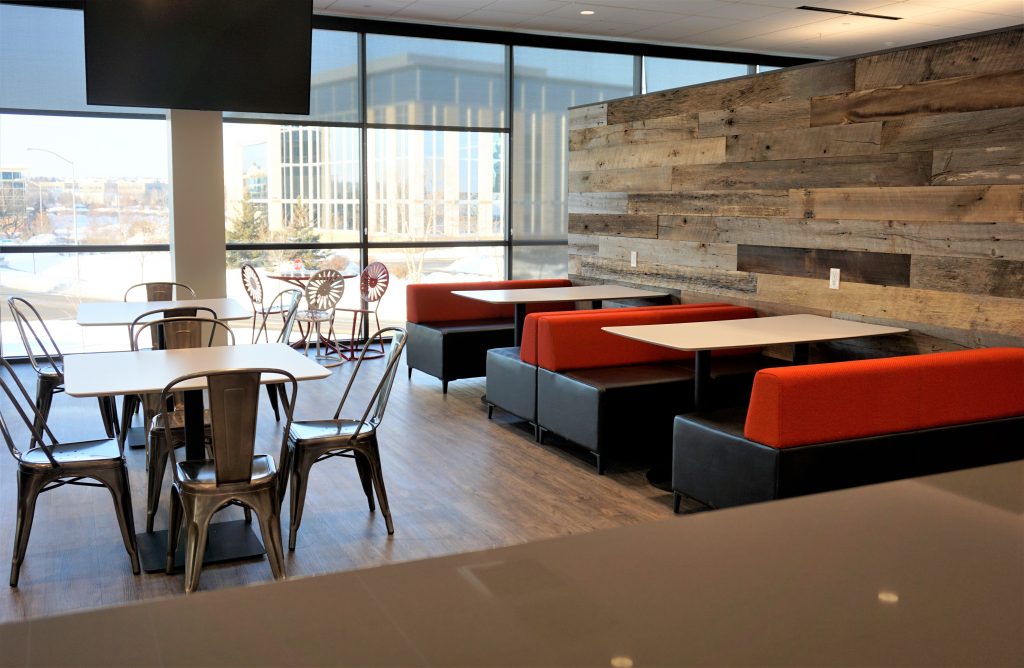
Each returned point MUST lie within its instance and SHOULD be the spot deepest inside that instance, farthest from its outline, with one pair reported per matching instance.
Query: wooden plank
(669, 128)
(589, 116)
(998, 278)
(854, 266)
(786, 84)
(990, 165)
(691, 152)
(620, 180)
(981, 240)
(582, 244)
(679, 253)
(837, 140)
(970, 129)
(948, 309)
(785, 115)
(713, 202)
(959, 94)
(598, 202)
(892, 169)
(999, 52)
(711, 282)
(982, 204)
(614, 225)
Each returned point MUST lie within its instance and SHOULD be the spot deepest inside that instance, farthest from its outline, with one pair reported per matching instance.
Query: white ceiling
(764, 26)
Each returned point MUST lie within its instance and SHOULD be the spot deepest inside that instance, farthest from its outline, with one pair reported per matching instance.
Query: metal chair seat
(201, 475)
(321, 432)
(315, 316)
(177, 421)
(51, 372)
(85, 454)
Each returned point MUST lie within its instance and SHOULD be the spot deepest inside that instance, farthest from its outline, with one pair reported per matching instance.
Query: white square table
(146, 371)
(595, 294)
(703, 337)
(98, 314)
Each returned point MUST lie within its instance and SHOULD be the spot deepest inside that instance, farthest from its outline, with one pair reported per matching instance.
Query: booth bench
(828, 426)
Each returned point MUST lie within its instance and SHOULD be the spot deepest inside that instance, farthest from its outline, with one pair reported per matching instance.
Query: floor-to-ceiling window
(83, 190)
(440, 152)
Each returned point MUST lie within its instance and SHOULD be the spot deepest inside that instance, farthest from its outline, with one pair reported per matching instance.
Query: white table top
(912, 573)
(571, 294)
(750, 332)
(137, 372)
(124, 313)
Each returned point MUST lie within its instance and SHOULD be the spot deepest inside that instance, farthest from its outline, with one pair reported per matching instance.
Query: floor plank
(457, 482)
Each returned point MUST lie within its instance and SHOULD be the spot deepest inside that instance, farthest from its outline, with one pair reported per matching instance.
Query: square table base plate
(136, 437)
(227, 541)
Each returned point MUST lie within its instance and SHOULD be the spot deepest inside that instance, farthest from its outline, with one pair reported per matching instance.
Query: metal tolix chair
(167, 421)
(286, 304)
(312, 441)
(47, 466)
(48, 363)
(233, 476)
(161, 291)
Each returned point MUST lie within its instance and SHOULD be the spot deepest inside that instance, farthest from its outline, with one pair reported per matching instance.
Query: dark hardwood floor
(457, 482)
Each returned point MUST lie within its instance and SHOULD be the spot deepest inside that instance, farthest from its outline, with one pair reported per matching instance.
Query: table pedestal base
(136, 438)
(227, 541)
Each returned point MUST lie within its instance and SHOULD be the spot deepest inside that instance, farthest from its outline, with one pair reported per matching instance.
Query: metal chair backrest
(374, 413)
(22, 402)
(162, 291)
(324, 290)
(181, 332)
(29, 324)
(234, 403)
(253, 285)
(286, 304)
(158, 334)
(373, 282)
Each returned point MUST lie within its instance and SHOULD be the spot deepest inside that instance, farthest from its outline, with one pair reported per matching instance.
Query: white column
(197, 200)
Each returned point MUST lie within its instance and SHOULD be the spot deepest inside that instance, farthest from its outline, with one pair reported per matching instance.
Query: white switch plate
(833, 278)
(632, 258)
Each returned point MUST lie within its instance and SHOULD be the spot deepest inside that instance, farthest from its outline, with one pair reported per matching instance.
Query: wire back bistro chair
(323, 292)
(48, 464)
(254, 289)
(312, 441)
(48, 363)
(233, 474)
(373, 283)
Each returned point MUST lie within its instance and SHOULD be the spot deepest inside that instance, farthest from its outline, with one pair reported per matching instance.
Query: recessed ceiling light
(587, 12)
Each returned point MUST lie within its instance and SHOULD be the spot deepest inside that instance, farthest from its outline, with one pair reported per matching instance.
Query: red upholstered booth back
(573, 341)
(528, 349)
(820, 403)
(434, 302)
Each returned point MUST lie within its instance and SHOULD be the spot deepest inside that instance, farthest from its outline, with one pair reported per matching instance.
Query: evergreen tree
(249, 225)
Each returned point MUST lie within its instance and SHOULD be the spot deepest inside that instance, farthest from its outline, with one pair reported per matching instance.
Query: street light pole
(74, 216)
(74, 189)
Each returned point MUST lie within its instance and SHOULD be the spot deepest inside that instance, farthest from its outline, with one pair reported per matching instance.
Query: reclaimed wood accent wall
(904, 169)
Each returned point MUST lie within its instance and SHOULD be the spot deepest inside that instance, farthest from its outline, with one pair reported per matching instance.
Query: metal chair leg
(173, 529)
(268, 512)
(272, 394)
(29, 487)
(299, 480)
(373, 455)
(158, 454)
(365, 477)
(198, 512)
(116, 480)
(108, 413)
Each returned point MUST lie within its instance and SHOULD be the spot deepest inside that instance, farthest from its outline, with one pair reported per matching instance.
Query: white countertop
(916, 572)
(751, 332)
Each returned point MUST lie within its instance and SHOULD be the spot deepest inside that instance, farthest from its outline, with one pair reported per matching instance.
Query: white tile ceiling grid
(766, 26)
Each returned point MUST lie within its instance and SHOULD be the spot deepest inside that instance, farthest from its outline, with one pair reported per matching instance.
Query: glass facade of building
(445, 159)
